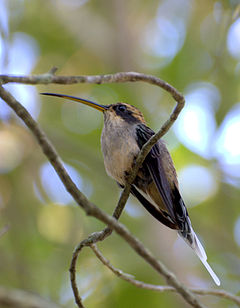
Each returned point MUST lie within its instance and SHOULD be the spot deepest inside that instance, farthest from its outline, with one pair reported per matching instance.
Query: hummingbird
(156, 185)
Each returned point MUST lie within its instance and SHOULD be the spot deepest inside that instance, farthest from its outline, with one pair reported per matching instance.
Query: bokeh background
(195, 46)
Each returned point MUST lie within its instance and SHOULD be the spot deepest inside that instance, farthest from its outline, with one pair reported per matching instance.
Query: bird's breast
(119, 149)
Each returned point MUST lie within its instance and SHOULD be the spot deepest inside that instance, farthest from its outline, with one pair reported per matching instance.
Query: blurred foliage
(190, 44)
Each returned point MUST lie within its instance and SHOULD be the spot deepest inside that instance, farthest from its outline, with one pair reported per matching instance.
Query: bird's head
(113, 112)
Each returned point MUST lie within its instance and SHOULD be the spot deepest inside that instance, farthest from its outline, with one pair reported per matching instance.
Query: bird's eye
(122, 108)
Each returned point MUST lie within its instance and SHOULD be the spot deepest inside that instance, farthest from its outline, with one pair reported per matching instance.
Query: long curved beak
(79, 100)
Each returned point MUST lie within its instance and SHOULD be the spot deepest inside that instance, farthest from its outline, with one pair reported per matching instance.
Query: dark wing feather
(155, 167)
(182, 215)
(166, 220)
(152, 209)
(168, 191)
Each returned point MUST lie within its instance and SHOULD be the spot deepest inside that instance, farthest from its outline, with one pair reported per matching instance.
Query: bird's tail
(192, 240)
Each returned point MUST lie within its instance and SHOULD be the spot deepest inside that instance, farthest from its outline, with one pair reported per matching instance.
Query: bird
(156, 185)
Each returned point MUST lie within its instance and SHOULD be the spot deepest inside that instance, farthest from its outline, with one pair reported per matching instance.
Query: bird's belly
(119, 155)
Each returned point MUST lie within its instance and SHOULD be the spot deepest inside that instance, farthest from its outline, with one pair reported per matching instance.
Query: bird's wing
(152, 209)
(158, 214)
(165, 183)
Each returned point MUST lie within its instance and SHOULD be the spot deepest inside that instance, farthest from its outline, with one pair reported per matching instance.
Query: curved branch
(140, 284)
(89, 207)
(94, 79)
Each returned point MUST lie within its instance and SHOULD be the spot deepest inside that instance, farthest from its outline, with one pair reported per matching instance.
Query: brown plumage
(156, 185)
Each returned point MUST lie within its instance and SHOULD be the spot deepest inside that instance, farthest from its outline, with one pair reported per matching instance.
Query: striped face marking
(127, 112)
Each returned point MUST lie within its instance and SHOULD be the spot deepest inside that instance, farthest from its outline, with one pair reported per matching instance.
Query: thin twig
(140, 284)
(90, 208)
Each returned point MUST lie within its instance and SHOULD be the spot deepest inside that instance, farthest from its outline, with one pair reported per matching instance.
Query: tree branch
(94, 79)
(81, 200)
(140, 284)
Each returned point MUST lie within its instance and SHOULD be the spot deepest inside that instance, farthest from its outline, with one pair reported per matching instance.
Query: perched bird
(156, 185)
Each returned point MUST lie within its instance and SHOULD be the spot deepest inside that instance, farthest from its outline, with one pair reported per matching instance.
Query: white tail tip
(211, 272)
(200, 252)
(203, 257)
